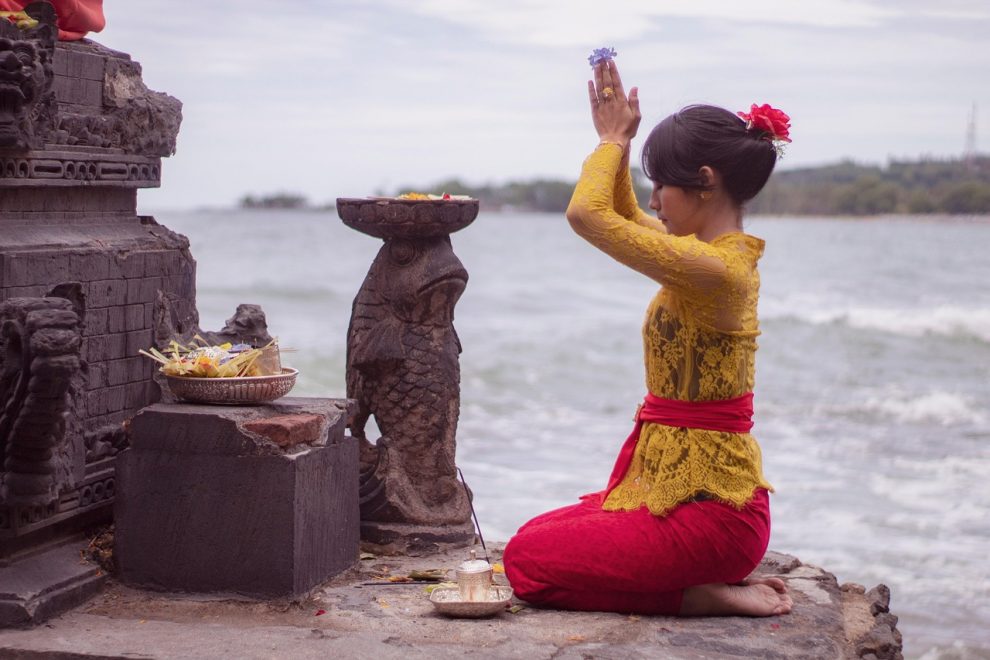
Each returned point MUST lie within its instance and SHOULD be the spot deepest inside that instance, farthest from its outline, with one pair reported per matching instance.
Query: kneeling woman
(685, 516)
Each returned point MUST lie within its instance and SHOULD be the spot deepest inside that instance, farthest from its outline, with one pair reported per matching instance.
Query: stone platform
(253, 500)
(350, 618)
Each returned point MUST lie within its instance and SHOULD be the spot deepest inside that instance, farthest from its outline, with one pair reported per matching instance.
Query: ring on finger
(608, 93)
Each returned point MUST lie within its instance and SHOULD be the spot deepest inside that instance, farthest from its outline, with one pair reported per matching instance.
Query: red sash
(727, 415)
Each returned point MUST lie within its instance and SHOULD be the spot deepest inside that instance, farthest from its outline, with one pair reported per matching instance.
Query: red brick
(287, 430)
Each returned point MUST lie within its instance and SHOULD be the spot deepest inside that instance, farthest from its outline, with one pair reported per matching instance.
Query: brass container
(474, 580)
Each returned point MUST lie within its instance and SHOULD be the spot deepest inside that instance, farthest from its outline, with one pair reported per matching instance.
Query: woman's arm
(683, 262)
(679, 261)
(624, 196)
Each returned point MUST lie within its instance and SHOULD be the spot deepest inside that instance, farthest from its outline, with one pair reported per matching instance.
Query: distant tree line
(960, 186)
(926, 186)
(904, 187)
(281, 200)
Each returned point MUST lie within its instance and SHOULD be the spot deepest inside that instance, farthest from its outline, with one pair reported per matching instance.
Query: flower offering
(432, 197)
(20, 19)
(600, 55)
(222, 361)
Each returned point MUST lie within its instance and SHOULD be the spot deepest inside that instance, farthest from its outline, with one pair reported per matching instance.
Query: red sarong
(582, 557)
(75, 17)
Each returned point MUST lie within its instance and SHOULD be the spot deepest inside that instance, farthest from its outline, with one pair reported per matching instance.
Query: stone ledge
(386, 620)
(46, 584)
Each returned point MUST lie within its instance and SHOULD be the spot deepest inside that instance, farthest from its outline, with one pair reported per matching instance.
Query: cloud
(333, 97)
(584, 22)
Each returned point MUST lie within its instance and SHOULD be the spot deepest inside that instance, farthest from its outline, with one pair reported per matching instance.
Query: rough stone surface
(387, 620)
(206, 505)
(402, 368)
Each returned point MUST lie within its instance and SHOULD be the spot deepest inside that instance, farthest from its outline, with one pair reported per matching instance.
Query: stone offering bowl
(389, 217)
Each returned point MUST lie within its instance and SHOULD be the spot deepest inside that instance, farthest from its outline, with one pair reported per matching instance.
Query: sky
(345, 99)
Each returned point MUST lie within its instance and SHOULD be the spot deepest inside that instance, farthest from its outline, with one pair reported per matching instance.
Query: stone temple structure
(84, 281)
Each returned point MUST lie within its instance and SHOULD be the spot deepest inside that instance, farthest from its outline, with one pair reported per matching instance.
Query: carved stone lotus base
(410, 539)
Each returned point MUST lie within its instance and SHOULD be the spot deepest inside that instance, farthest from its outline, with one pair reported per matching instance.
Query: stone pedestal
(260, 500)
(403, 369)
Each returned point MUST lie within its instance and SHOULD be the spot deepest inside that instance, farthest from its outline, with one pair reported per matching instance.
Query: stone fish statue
(402, 367)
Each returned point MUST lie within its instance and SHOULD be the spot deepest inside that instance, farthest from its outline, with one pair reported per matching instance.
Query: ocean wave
(946, 320)
(946, 408)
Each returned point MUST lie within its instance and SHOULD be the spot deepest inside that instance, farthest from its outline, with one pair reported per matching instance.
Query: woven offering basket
(246, 390)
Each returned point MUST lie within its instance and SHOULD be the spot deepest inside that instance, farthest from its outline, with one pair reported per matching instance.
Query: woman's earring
(705, 195)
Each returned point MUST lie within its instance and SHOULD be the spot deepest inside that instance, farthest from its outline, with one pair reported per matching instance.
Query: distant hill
(925, 186)
(953, 187)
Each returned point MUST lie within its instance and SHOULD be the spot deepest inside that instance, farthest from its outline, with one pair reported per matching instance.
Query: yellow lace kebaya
(699, 338)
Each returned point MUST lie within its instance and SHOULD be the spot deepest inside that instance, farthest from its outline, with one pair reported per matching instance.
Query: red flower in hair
(769, 119)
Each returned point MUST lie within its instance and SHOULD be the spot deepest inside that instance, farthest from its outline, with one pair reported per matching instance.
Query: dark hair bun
(699, 135)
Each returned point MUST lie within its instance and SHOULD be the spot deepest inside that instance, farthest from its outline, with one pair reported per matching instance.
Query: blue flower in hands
(600, 55)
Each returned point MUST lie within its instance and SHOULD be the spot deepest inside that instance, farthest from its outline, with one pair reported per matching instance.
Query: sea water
(872, 383)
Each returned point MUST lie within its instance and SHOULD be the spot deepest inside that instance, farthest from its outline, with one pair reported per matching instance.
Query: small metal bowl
(447, 601)
(242, 391)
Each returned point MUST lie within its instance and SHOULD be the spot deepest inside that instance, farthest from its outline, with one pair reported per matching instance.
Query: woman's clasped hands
(616, 116)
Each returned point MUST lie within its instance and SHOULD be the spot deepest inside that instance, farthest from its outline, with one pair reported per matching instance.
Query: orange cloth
(75, 17)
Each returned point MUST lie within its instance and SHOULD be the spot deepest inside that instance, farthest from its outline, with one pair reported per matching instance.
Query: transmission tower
(969, 152)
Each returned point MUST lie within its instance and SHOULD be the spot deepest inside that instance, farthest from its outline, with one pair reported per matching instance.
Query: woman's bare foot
(751, 597)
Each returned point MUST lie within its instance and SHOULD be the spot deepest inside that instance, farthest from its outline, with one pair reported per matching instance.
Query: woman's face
(677, 208)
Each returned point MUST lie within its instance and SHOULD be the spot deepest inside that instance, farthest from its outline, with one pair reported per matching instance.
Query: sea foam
(946, 408)
(954, 321)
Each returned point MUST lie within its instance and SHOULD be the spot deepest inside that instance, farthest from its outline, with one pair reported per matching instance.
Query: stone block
(131, 264)
(137, 340)
(99, 348)
(89, 267)
(97, 322)
(106, 400)
(134, 317)
(138, 395)
(143, 290)
(107, 293)
(45, 268)
(203, 504)
(79, 91)
(97, 376)
(128, 370)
